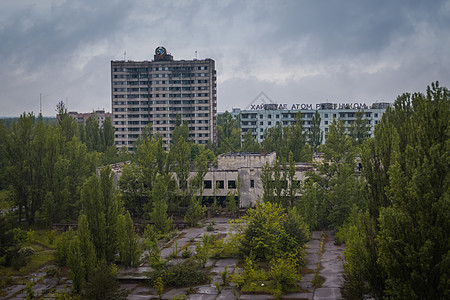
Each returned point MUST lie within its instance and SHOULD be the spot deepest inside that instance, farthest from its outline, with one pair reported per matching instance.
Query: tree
(249, 143)
(315, 134)
(86, 246)
(270, 232)
(107, 134)
(132, 189)
(76, 265)
(416, 257)
(179, 152)
(405, 228)
(159, 213)
(101, 207)
(359, 129)
(293, 185)
(194, 212)
(228, 133)
(93, 138)
(103, 284)
(267, 183)
(128, 241)
(68, 125)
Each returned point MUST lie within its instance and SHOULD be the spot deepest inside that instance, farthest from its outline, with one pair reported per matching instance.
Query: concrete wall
(235, 161)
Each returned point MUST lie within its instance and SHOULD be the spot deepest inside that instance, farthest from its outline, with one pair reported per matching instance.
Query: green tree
(359, 129)
(179, 152)
(270, 232)
(107, 134)
(267, 183)
(159, 213)
(132, 189)
(76, 265)
(315, 135)
(194, 212)
(103, 284)
(128, 241)
(93, 138)
(101, 207)
(86, 246)
(416, 257)
(68, 125)
(228, 133)
(249, 143)
(404, 233)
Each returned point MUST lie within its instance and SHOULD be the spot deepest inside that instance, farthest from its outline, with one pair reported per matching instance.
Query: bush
(62, 248)
(186, 253)
(186, 273)
(22, 258)
(284, 272)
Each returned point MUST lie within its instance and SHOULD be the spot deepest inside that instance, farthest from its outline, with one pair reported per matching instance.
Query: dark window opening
(207, 184)
(231, 184)
(219, 184)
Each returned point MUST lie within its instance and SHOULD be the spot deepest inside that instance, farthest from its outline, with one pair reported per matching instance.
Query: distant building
(82, 117)
(264, 116)
(155, 92)
(247, 167)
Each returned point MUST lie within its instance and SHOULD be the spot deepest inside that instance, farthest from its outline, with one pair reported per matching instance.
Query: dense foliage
(398, 247)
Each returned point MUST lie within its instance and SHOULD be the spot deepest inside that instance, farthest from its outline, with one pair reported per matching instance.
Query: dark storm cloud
(293, 50)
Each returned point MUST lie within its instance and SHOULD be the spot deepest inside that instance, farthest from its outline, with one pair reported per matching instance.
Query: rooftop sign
(306, 106)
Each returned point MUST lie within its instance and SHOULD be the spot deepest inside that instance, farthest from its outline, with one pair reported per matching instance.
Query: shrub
(186, 253)
(186, 273)
(284, 272)
(22, 257)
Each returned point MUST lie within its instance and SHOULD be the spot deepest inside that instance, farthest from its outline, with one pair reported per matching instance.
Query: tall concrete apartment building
(264, 116)
(156, 91)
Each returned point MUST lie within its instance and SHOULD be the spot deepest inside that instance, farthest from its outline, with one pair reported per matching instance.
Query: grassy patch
(39, 259)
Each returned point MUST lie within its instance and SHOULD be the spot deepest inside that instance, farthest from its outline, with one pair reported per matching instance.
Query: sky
(293, 51)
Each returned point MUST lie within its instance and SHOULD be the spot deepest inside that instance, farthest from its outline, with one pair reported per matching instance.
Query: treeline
(43, 166)
(397, 239)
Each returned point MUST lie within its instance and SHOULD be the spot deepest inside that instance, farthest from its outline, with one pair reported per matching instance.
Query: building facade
(156, 91)
(82, 117)
(264, 116)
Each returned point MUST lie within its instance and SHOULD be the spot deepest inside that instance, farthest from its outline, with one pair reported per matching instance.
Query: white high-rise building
(156, 91)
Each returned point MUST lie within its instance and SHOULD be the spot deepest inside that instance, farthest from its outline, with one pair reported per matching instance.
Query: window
(207, 184)
(252, 183)
(269, 116)
(326, 122)
(269, 123)
(277, 116)
(261, 123)
(219, 184)
(376, 115)
(231, 184)
(326, 116)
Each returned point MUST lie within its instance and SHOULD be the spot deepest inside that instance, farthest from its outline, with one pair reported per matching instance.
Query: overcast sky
(294, 51)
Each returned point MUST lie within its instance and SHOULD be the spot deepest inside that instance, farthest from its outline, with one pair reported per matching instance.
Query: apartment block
(156, 91)
(264, 116)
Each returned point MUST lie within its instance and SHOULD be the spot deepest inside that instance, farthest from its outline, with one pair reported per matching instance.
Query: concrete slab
(229, 262)
(226, 294)
(174, 292)
(306, 296)
(334, 280)
(255, 297)
(202, 297)
(306, 283)
(327, 294)
(14, 289)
